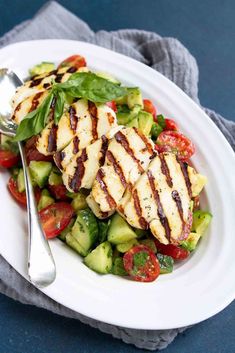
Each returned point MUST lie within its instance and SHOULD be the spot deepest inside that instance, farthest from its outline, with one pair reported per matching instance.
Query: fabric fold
(166, 55)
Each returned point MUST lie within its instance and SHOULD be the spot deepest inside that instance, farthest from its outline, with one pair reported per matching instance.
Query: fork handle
(41, 265)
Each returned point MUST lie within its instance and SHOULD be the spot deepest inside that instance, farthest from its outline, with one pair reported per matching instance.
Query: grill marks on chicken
(164, 206)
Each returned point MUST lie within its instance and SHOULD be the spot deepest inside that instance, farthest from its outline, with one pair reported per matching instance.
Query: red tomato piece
(176, 252)
(73, 61)
(31, 152)
(178, 143)
(171, 125)
(55, 218)
(150, 108)
(8, 159)
(112, 105)
(59, 192)
(20, 197)
(141, 264)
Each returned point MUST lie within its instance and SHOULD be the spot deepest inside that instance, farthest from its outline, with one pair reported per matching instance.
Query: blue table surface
(207, 29)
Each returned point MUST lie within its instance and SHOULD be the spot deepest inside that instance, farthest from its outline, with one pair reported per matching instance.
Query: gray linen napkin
(166, 55)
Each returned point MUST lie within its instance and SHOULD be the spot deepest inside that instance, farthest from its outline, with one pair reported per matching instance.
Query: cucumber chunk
(85, 230)
(40, 172)
(45, 200)
(55, 177)
(126, 246)
(100, 259)
(67, 230)
(74, 244)
(118, 267)
(145, 122)
(41, 68)
(150, 243)
(119, 230)
(134, 97)
(108, 77)
(20, 181)
(79, 202)
(103, 230)
(166, 263)
(201, 220)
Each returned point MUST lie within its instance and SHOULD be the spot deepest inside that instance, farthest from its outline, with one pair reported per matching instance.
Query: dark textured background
(207, 28)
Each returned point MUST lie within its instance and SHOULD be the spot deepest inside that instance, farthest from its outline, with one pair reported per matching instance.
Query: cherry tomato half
(178, 143)
(20, 197)
(8, 159)
(112, 105)
(59, 192)
(55, 218)
(32, 154)
(73, 61)
(176, 252)
(171, 125)
(141, 264)
(150, 108)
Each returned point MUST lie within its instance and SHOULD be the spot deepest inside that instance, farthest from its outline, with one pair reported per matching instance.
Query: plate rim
(191, 102)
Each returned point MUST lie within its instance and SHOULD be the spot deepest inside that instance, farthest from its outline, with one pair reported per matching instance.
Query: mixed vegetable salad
(118, 188)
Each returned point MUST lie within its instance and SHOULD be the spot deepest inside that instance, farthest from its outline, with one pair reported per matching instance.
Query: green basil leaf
(161, 121)
(35, 121)
(92, 87)
(59, 106)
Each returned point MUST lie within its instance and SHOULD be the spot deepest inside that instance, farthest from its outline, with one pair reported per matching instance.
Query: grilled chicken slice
(41, 83)
(83, 167)
(84, 123)
(160, 200)
(128, 156)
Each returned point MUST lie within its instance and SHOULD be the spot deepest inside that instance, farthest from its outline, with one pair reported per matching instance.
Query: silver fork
(41, 265)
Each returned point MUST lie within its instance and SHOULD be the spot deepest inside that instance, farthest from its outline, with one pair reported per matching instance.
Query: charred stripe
(121, 138)
(94, 119)
(76, 181)
(165, 170)
(160, 211)
(117, 168)
(142, 221)
(100, 178)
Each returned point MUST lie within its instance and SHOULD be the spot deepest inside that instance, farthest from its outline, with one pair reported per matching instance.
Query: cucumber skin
(40, 172)
(20, 180)
(85, 229)
(100, 259)
(72, 243)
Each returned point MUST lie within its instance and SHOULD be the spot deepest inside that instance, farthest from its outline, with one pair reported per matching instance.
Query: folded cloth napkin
(166, 55)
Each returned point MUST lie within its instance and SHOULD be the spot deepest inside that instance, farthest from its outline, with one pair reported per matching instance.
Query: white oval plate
(197, 289)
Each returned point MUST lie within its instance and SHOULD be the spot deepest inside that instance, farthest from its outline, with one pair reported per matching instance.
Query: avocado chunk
(42, 68)
(55, 177)
(145, 122)
(134, 97)
(108, 77)
(100, 259)
(124, 247)
(40, 172)
(119, 230)
(201, 221)
(79, 202)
